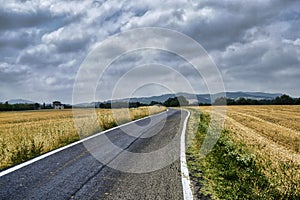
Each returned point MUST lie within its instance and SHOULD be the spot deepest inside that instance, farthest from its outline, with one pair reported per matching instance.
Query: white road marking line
(186, 184)
(12, 169)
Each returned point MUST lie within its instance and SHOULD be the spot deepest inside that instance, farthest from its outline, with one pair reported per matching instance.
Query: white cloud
(293, 42)
(50, 80)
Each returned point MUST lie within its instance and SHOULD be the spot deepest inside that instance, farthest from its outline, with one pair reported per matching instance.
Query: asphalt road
(96, 169)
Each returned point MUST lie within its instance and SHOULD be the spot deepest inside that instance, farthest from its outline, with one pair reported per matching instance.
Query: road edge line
(185, 178)
(33, 160)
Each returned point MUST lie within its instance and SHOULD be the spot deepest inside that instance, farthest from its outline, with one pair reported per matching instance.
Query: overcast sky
(255, 44)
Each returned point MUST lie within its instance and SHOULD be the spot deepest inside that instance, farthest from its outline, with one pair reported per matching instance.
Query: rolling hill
(202, 98)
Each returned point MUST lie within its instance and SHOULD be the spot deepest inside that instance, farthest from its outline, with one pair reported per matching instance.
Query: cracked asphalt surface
(75, 173)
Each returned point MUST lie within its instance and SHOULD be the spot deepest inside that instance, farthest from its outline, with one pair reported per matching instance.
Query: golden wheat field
(272, 134)
(26, 134)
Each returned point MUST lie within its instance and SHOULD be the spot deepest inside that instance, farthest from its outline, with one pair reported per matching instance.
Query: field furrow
(282, 136)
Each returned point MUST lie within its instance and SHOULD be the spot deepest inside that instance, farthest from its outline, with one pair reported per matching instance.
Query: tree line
(17, 107)
(26, 106)
(170, 102)
(280, 100)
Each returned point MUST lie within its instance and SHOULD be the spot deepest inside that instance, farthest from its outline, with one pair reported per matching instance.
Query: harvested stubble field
(26, 134)
(276, 129)
(272, 135)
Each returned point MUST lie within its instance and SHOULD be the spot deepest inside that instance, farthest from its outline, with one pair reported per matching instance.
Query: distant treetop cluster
(28, 106)
(281, 100)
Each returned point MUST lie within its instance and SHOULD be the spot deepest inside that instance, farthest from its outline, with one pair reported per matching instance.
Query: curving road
(75, 173)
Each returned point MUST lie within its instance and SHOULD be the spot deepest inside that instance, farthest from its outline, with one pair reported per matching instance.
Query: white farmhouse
(57, 105)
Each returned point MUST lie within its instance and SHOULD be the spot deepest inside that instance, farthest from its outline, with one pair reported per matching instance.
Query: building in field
(57, 105)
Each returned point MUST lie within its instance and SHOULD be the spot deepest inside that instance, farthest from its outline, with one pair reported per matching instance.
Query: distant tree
(37, 106)
(284, 100)
(254, 102)
(176, 101)
(204, 104)
(49, 106)
(154, 103)
(266, 102)
(108, 105)
(119, 105)
(134, 104)
(242, 101)
(231, 102)
(171, 102)
(182, 101)
(6, 106)
(67, 106)
(220, 101)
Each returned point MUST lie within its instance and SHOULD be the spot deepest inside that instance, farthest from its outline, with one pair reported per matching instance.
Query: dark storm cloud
(14, 20)
(20, 15)
(255, 44)
(226, 22)
(16, 40)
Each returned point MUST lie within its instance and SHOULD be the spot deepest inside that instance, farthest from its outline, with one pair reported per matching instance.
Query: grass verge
(233, 171)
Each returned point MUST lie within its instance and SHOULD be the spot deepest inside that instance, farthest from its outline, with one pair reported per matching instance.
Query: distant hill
(19, 101)
(202, 98)
(147, 100)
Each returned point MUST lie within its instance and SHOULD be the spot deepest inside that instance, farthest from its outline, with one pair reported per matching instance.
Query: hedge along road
(73, 173)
